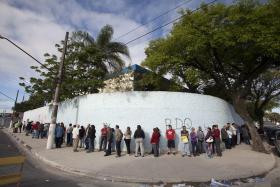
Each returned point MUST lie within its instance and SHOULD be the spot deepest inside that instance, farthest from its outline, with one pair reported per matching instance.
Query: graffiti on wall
(178, 123)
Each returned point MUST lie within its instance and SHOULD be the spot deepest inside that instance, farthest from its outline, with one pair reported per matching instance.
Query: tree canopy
(221, 50)
(86, 63)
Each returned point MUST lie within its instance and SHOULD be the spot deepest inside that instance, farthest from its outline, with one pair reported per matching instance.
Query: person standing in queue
(139, 137)
(118, 137)
(170, 136)
(109, 141)
(103, 138)
(155, 141)
(75, 136)
(127, 139)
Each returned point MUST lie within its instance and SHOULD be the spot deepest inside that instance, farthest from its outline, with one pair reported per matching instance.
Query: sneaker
(174, 153)
(168, 153)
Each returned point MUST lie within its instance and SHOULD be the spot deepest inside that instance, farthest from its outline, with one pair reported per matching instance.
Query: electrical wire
(153, 19)
(164, 25)
(7, 96)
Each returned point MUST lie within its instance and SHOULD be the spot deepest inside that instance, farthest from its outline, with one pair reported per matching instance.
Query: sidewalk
(239, 162)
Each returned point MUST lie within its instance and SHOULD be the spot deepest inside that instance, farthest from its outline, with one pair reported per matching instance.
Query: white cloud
(37, 25)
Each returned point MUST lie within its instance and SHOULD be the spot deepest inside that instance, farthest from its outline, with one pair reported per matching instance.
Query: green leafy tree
(86, 63)
(274, 117)
(228, 47)
(264, 95)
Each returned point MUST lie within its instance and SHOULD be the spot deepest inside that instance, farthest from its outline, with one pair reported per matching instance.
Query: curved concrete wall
(148, 109)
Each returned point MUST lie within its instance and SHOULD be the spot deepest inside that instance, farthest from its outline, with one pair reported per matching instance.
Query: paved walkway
(239, 162)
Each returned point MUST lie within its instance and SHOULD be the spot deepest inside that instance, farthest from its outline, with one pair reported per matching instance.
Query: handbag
(184, 139)
(210, 140)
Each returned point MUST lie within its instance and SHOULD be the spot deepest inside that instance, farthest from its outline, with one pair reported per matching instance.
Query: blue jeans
(35, 134)
(69, 139)
(156, 149)
(194, 148)
(90, 143)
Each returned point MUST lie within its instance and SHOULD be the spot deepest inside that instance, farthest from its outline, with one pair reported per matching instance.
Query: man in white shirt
(75, 135)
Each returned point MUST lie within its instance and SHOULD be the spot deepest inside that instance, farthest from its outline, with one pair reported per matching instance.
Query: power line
(150, 38)
(164, 25)
(153, 19)
(2, 37)
(7, 96)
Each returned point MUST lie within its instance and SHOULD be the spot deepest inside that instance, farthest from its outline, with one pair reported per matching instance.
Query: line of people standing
(192, 143)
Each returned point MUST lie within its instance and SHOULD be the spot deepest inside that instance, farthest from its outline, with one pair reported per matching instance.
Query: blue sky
(36, 25)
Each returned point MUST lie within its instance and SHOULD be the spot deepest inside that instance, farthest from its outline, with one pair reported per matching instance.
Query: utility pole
(51, 136)
(16, 98)
(14, 116)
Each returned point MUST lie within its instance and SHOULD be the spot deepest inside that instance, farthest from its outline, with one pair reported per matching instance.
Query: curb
(99, 176)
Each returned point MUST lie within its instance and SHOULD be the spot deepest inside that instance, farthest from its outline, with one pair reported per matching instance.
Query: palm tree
(109, 53)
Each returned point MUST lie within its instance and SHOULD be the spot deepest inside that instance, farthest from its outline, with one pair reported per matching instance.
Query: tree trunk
(240, 107)
(260, 119)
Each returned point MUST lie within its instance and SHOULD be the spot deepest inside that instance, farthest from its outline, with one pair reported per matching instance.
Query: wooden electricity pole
(51, 135)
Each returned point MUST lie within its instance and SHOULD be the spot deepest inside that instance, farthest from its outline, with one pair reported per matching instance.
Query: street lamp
(50, 141)
(4, 38)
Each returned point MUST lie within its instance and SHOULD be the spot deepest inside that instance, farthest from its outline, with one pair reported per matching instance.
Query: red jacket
(35, 126)
(216, 134)
(155, 138)
(170, 134)
(104, 132)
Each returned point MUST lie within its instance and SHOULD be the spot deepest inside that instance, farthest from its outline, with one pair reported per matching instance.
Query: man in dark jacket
(41, 130)
(224, 135)
(28, 128)
(139, 136)
(90, 138)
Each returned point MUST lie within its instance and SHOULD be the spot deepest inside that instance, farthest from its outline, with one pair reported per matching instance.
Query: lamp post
(2, 37)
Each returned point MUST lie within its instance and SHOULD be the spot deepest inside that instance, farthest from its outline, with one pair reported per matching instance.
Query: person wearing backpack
(200, 142)
(118, 138)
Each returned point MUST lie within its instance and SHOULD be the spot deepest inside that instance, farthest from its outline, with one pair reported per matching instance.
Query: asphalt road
(39, 174)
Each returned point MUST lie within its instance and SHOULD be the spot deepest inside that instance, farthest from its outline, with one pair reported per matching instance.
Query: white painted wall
(148, 109)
